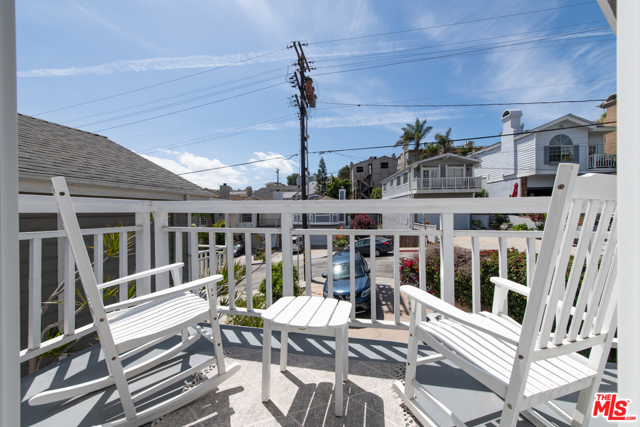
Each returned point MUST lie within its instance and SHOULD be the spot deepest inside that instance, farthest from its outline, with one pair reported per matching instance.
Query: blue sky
(76, 52)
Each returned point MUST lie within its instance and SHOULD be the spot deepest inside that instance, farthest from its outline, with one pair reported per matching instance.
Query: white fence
(598, 161)
(141, 233)
(449, 183)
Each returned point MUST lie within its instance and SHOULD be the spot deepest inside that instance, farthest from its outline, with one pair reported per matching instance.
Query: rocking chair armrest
(205, 281)
(449, 311)
(141, 274)
(511, 285)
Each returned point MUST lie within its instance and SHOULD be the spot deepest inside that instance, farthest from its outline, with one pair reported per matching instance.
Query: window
(391, 183)
(359, 169)
(560, 149)
(384, 165)
(384, 187)
(593, 150)
(405, 177)
(246, 217)
(398, 181)
(455, 172)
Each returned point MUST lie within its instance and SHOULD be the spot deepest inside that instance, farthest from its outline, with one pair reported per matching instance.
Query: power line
(162, 83)
(444, 56)
(240, 164)
(451, 24)
(190, 108)
(461, 105)
(340, 58)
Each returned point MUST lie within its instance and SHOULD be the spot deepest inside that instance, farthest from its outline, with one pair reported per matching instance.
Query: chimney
(225, 191)
(248, 191)
(510, 127)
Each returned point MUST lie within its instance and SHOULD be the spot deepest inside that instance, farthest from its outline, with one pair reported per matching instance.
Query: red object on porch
(515, 190)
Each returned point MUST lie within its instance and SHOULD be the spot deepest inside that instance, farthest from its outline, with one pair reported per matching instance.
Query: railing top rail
(260, 230)
(46, 204)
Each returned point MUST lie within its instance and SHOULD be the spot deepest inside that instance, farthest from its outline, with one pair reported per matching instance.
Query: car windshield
(341, 271)
(238, 245)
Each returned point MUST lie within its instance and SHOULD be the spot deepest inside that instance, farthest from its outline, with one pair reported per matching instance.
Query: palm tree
(431, 150)
(414, 133)
(444, 141)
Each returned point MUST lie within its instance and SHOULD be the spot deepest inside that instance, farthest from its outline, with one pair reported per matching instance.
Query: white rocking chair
(126, 328)
(538, 361)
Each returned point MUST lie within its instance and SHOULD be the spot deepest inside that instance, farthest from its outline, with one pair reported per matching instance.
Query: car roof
(342, 257)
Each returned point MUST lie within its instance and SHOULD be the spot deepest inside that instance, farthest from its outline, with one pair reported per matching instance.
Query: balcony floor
(301, 396)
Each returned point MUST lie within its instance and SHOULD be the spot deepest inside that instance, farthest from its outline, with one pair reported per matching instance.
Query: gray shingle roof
(50, 149)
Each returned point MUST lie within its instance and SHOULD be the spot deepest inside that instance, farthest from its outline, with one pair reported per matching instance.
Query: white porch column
(9, 256)
(628, 64)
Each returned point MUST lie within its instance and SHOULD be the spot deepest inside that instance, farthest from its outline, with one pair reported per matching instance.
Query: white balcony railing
(169, 243)
(450, 183)
(321, 218)
(602, 161)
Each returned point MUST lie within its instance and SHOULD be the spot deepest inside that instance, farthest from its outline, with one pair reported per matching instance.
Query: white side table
(311, 315)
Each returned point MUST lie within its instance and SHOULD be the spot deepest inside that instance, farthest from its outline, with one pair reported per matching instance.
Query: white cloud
(182, 162)
(152, 64)
(358, 120)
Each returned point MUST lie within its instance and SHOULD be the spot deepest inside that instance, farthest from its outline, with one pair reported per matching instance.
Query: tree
(376, 193)
(444, 141)
(293, 179)
(466, 149)
(334, 186)
(414, 133)
(321, 187)
(431, 150)
(344, 173)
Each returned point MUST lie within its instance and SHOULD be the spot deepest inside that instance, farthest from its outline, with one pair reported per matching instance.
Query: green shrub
(276, 281)
(341, 243)
(520, 227)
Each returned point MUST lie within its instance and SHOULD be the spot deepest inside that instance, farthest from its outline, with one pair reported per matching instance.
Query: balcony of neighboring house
(303, 394)
(601, 162)
(320, 219)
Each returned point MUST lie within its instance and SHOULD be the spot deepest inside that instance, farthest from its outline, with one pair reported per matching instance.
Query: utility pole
(277, 176)
(305, 100)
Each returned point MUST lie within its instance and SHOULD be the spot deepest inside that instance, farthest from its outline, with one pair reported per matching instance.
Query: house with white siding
(445, 176)
(525, 162)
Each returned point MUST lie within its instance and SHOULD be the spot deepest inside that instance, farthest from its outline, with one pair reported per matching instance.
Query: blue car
(342, 282)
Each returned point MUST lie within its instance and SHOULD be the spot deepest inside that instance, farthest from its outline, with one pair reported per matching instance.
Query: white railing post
(531, 259)
(35, 292)
(267, 266)
(98, 257)
(249, 275)
(9, 223)
(504, 273)
(396, 279)
(307, 264)
(231, 268)
(161, 247)
(194, 268)
(123, 265)
(447, 270)
(143, 252)
(476, 291)
(287, 254)
(352, 274)
(69, 294)
(372, 276)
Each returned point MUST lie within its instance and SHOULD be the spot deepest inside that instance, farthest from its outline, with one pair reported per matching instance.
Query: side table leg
(266, 361)
(284, 348)
(345, 355)
(339, 367)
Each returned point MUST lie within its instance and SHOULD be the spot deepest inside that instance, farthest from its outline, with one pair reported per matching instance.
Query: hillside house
(368, 174)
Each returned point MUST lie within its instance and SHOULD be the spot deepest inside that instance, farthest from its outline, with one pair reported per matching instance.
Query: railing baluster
(475, 275)
(69, 292)
(307, 264)
(231, 283)
(122, 264)
(143, 252)
(249, 276)
(177, 251)
(329, 266)
(194, 270)
(213, 254)
(287, 255)
(447, 282)
(98, 260)
(267, 266)
(372, 276)
(161, 247)
(352, 275)
(531, 259)
(35, 293)
(396, 279)
(504, 272)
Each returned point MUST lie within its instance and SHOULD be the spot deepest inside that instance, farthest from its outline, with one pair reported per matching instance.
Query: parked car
(298, 244)
(342, 283)
(238, 249)
(364, 246)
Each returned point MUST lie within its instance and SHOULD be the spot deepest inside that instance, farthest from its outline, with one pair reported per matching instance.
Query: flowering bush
(363, 222)
(538, 220)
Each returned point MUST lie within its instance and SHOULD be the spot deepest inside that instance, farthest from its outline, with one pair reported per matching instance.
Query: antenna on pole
(278, 175)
